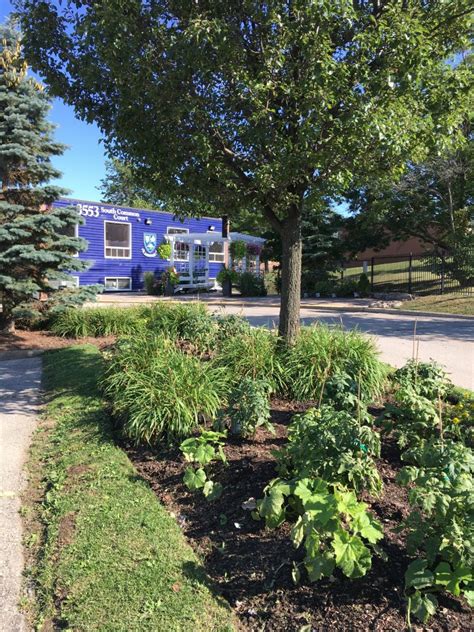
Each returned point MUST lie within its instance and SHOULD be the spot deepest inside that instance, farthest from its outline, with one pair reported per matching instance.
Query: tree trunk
(291, 278)
(7, 322)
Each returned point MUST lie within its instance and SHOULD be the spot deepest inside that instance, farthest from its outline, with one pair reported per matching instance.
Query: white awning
(199, 239)
(249, 239)
(206, 239)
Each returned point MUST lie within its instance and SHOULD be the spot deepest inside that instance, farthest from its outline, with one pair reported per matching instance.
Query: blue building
(123, 244)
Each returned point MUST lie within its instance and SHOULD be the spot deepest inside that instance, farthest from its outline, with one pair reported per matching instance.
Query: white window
(118, 283)
(73, 281)
(216, 251)
(117, 240)
(181, 250)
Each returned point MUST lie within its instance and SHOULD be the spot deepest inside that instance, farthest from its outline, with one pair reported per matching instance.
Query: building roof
(128, 208)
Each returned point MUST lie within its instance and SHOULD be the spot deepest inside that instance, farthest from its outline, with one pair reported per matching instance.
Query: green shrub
(250, 354)
(428, 379)
(230, 325)
(250, 284)
(411, 418)
(248, 407)
(159, 393)
(440, 525)
(98, 321)
(346, 287)
(333, 445)
(320, 352)
(364, 286)
(150, 283)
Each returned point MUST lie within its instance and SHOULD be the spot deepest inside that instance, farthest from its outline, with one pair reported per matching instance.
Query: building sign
(149, 244)
(116, 213)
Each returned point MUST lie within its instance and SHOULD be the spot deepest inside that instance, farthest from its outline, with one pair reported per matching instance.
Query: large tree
(267, 106)
(433, 201)
(37, 243)
(122, 186)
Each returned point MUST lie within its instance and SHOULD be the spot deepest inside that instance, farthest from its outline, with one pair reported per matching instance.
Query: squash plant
(335, 529)
(201, 451)
(440, 524)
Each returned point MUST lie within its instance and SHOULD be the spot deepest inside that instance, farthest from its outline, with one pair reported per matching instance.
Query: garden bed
(250, 566)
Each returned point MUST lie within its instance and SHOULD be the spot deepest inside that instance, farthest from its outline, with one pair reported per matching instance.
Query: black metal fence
(420, 275)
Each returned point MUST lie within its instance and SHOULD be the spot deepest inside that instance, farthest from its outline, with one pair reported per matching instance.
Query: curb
(402, 312)
(347, 309)
(354, 309)
(19, 354)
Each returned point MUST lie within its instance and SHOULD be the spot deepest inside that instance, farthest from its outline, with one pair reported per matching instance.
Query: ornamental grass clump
(191, 322)
(251, 354)
(159, 393)
(98, 321)
(320, 352)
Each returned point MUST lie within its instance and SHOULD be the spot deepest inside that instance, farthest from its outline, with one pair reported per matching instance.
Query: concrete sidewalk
(20, 382)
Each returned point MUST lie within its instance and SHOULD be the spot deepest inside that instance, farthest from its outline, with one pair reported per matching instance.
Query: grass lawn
(444, 303)
(103, 554)
(394, 276)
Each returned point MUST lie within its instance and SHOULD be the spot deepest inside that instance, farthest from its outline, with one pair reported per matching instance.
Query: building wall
(94, 215)
(412, 245)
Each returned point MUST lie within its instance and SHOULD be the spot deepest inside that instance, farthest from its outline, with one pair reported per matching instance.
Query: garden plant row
(180, 377)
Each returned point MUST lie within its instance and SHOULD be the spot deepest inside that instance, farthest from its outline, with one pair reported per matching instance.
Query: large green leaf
(422, 605)
(204, 454)
(368, 527)
(319, 566)
(418, 575)
(271, 507)
(352, 556)
(452, 579)
(194, 479)
(212, 490)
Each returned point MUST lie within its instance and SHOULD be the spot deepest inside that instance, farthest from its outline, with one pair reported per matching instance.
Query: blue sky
(83, 164)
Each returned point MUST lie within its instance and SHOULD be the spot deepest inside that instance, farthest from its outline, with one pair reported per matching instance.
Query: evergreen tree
(37, 243)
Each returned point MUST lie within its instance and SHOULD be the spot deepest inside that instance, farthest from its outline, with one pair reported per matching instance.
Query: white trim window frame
(181, 250)
(120, 250)
(117, 288)
(216, 257)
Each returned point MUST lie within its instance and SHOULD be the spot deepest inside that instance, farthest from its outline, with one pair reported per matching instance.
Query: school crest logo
(149, 244)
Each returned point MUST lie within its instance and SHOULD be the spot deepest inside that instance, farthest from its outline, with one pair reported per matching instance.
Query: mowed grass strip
(443, 303)
(104, 554)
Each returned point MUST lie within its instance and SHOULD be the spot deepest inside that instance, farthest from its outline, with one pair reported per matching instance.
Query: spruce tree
(36, 246)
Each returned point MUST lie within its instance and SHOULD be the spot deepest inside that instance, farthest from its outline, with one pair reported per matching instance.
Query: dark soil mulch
(250, 566)
(23, 339)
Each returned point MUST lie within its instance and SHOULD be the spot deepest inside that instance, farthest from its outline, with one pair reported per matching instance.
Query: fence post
(442, 274)
(372, 274)
(410, 270)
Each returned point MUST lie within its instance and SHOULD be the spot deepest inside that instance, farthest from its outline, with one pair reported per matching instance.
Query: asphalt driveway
(446, 339)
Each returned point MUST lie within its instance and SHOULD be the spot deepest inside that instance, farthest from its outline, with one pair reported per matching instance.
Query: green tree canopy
(267, 106)
(37, 243)
(433, 201)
